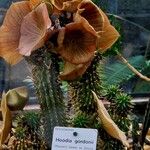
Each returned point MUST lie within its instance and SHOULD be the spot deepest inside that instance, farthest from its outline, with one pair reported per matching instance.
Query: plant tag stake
(66, 138)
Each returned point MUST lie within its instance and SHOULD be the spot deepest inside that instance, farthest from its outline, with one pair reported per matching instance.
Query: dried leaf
(12, 141)
(17, 98)
(108, 124)
(7, 120)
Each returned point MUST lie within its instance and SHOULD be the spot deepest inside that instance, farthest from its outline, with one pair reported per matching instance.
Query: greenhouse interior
(74, 74)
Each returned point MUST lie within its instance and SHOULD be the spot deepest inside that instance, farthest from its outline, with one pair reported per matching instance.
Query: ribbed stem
(82, 98)
(86, 110)
(45, 70)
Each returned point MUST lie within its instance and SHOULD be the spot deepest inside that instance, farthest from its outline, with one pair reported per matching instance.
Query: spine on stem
(45, 71)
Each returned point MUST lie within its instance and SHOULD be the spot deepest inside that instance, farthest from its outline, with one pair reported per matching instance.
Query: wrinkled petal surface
(34, 30)
(71, 6)
(10, 31)
(108, 124)
(108, 36)
(92, 14)
(34, 3)
(71, 71)
(7, 120)
(66, 5)
(77, 42)
(58, 3)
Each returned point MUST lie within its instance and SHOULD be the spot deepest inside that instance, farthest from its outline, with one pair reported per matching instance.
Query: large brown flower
(23, 30)
(77, 29)
(90, 31)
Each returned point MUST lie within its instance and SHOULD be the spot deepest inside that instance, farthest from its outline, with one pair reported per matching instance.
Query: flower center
(61, 20)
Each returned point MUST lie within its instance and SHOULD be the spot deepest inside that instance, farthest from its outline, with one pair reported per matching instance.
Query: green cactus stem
(86, 110)
(45, 70)
(82, 97)
(120, 111)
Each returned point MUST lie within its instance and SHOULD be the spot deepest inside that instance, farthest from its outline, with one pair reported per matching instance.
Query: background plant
(28, 132)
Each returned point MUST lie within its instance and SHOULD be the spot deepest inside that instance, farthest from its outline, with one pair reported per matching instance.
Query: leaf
(118, 72)
(7, 119)
(108, 124)
(17, 98)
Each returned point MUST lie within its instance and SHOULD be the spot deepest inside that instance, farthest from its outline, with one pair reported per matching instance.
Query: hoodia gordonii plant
(47, 31)
(89, 114)
(45, 70)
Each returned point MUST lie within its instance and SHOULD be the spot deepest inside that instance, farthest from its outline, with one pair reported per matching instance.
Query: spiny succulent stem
(45, 70)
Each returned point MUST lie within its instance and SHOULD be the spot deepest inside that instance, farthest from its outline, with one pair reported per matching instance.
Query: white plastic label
(65, 138)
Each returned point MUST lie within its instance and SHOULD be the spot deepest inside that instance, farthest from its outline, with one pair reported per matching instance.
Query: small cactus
(27, 132)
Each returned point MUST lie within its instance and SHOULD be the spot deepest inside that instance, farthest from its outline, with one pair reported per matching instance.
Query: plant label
(66, 138)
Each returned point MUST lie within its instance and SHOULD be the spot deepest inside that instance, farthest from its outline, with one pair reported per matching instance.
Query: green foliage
(122, 104)
(29, 120)
(20, 133)
(81, 120)
(111, 91)
(120, 107)
(120, 110)
(28, 132)
(118, 72)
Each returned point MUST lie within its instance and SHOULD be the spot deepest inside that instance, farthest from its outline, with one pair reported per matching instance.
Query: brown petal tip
(72, 72)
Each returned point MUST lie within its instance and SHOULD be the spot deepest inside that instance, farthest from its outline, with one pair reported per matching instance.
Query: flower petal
(34, 30)
(108, 37)
(71, 71)
(71, 6)
(7, 120)
(108, 124)
(34, 3)
(58, 3)
(92, 14)
(10, 31)
(77, 42)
